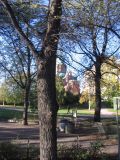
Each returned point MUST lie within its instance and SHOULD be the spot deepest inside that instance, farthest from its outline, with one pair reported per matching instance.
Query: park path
(88, 133)
(105, 111)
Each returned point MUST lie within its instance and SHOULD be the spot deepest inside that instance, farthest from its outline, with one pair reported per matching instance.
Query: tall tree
(3, 93)
(19, 66)
(46, 65)
(10, 93)
(89, 41)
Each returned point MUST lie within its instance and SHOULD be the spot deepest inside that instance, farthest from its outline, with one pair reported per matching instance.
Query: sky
(111, 46)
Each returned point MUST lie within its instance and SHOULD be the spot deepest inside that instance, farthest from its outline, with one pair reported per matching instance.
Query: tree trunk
(46, 65)
(97, 116)
(47, 105)
(47, 108)
(27, 88)
(26, 105)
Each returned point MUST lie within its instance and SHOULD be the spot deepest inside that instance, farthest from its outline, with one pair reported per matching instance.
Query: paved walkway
(105, 111)
(84, 135)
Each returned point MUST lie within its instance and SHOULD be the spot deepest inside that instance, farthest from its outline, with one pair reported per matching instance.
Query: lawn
(114, 111)
(12, 106)
(6, 114)
(79, 111)
(85, 111)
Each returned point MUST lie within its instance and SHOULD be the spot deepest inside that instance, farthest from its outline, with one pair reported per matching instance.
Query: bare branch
(18, 28)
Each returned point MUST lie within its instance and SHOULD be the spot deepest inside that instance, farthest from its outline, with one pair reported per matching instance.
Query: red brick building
(71, 84)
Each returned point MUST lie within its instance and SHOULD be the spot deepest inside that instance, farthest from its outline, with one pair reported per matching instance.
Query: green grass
(10, 114)
(114, 111)
(6, 114)
(12, 106)
(84, 111)
(79, 111)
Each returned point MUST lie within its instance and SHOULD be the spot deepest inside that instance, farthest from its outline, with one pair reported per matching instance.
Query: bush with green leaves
(10, 151)
(60, 91)
(71, 99)
(63, 97)
(76, 152)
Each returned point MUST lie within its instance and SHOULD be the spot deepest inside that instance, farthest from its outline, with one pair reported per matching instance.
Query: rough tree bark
(97, 77)
(26, 105)
(47, 107)
(46, 64)
(27, 88)
(97, 116)
(47, 104)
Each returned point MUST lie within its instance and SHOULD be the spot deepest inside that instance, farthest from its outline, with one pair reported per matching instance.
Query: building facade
(71, 84)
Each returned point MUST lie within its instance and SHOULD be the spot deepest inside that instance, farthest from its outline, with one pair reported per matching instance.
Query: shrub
(75, 152)
(71, 99)
(9, 151)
